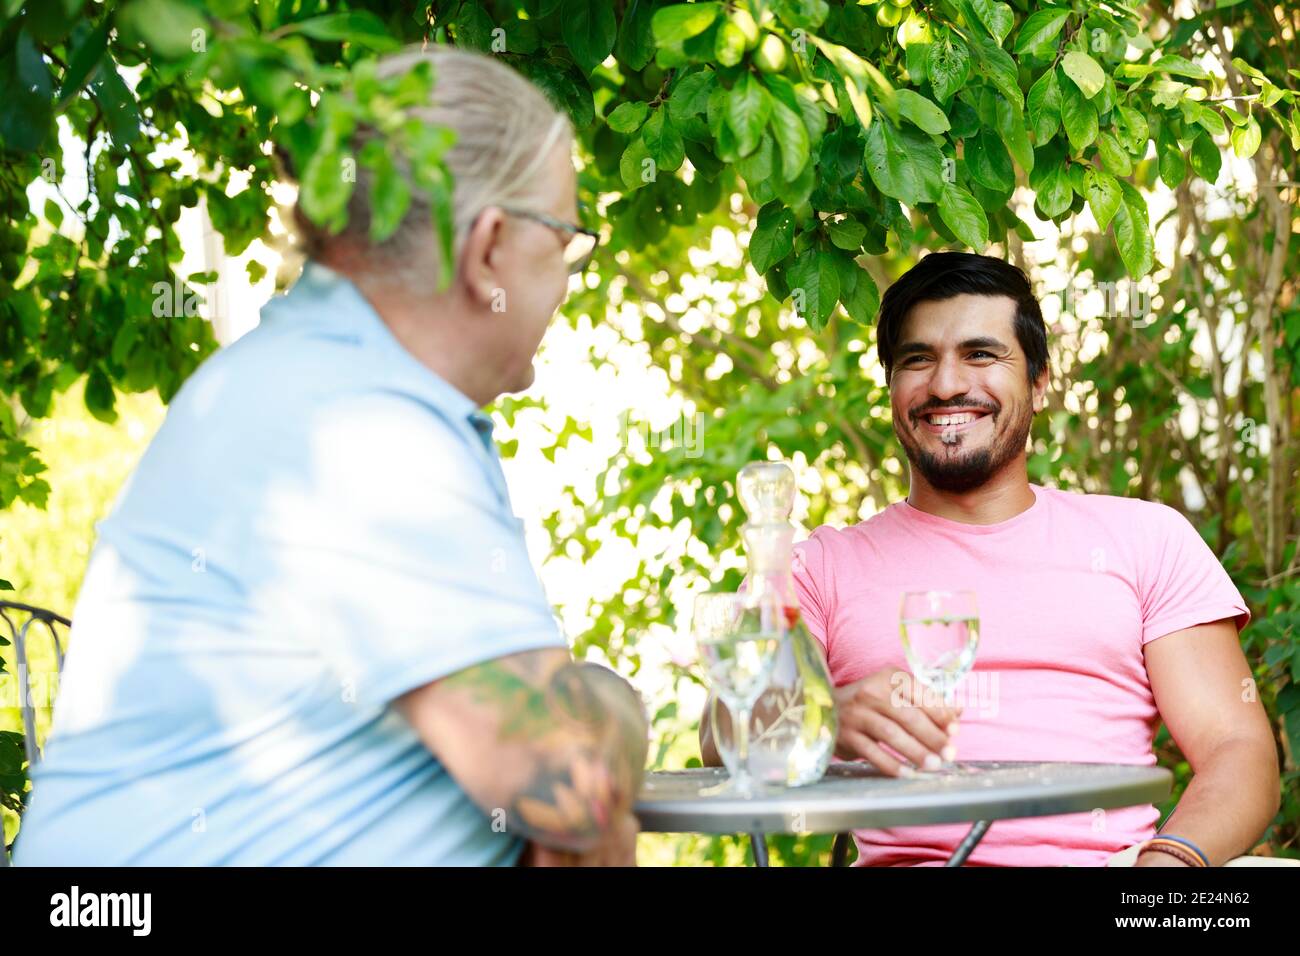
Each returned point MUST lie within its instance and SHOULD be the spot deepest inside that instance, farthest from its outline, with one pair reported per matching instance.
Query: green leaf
(324, 189)
(635, 46)
(1113, 155)
(995, 64)
(773, 236)
(1169, 157)
(996, 17)
(1052, 189)
(474, 26)
(357, 27)
(564, 85)
(948, 64)
(1044, 107)
(100, 399)
(589, 29)
(924, 114)
(390, 198)
(1180, 66)
(1086, 72)
(1104, 196)
(989, 163)
(1041, 28)
(1132, 130)
(814, 286)
(167, 26)
(1079, 117)
(1133, 234)
(1203, 116)
(633, 167)
(53, 213)
(903, 164)
(846, 234)
(759, 167)
(863, 301)
(860, 102)
(961, 213)
(792, 137)
(1014, 134)
(681, 21)
(749, 107)
(1245, 139)
(628, 116)
(120, 110)
(1206, 158)
(26, 89)
(663, 141)
(85, 60)
(690, 95)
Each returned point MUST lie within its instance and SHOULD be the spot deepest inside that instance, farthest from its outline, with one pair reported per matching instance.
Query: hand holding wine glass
(940, 631)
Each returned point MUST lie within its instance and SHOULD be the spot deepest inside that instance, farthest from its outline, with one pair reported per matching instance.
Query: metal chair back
(11, 613)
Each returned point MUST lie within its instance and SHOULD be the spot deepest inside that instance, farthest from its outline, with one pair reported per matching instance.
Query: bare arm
(558, 746)
(1199, 677)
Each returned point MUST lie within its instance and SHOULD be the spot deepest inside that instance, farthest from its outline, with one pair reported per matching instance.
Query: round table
(857, 796)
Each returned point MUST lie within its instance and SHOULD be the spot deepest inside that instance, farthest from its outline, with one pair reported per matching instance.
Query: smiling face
(960, 391)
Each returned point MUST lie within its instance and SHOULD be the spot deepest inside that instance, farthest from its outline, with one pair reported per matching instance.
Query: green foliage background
(834, 149)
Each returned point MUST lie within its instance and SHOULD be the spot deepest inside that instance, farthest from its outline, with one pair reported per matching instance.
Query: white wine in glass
(738, 643)
(941, 632)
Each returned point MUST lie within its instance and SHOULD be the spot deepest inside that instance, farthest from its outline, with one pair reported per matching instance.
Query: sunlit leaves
(681, 21)
(1104, 196)
(773, 236)
(814, 286)
(1040, 29)
(963, 214)
(1084, 71)
(589, 31)
(1132, 232)
(749, 106)
(1078, 116)
(948, 65)
(1044, 107)
(904, 164)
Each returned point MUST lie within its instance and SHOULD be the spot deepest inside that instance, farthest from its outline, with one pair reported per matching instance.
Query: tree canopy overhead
(833, 140)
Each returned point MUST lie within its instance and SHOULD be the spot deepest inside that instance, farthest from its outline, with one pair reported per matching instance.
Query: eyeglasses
(579, 243)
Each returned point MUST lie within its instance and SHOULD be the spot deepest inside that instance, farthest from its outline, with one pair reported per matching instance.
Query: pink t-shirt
(1068, 593)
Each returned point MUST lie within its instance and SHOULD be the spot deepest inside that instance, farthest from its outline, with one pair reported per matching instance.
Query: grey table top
(856, 796)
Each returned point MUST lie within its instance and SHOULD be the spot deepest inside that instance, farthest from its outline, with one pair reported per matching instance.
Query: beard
(959, 470)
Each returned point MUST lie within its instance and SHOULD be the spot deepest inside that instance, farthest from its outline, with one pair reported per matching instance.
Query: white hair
(505, 130)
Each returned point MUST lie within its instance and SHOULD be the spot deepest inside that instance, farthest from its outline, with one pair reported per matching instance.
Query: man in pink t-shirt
(1099, 616)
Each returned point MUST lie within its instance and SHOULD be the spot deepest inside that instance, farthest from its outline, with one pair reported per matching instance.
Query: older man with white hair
(310, 632)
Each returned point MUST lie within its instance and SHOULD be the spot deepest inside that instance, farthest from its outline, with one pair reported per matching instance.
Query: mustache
(934, 405)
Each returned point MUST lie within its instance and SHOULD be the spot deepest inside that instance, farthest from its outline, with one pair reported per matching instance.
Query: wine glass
(738, 640)
(941, 631)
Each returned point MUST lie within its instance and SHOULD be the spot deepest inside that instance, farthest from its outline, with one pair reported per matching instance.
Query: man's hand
(881, 709)
(617, 849)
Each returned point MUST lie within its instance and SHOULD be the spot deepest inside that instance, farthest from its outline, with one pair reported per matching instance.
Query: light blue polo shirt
(320, 525)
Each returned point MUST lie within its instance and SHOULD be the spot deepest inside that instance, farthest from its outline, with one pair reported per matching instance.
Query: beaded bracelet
(1173, 849)
(1191, 847)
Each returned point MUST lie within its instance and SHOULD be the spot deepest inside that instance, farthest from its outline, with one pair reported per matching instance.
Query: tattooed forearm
(581, 733)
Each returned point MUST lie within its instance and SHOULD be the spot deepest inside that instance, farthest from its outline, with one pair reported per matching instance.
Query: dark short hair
(943, 275)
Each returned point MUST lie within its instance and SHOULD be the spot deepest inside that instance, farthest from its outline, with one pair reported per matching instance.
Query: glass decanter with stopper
(793, 728)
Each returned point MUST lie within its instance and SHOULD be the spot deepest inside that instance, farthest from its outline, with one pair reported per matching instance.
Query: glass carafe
(792, 733)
